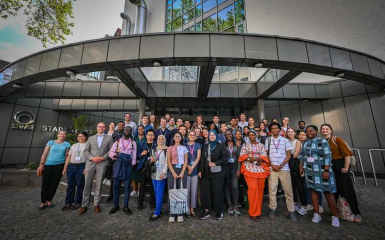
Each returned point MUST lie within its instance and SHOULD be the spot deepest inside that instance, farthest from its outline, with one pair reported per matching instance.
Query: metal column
(142, 109)
(261, 109)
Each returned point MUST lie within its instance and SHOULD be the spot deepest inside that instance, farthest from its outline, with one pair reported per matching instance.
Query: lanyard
(276, 146)
(158, 154)
(125, 147)
(191, 150)
(163, 132)
(81, 149)
(149, 150)
(231, 150)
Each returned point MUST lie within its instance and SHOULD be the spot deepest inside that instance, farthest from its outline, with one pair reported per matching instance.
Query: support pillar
(261, 109)
(142, 109)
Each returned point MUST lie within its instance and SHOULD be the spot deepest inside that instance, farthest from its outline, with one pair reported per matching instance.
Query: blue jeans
(308, 195)
(75, 179)
(127, 191)
(159, 186)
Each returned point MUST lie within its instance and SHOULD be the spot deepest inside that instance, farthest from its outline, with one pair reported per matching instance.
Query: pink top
(124, 146)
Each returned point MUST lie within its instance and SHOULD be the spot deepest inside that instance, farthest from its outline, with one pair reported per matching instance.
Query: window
(192, 28)
(168, 27)
(210, 23)
(221, 1)
(239, 11)
(241, 29)
(226, 18)
(208, 5)
(198, 1)
(231, 29)
(198, 11)
(188, 17)
(187, 5)
(198, 26)
(169, 13)
(176, 24)
(176, 9)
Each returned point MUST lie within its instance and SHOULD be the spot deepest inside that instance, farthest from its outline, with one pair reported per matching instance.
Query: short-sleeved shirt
(57, 152)
(191, 158)
(277, 151)
(77, 150)
(182, 150)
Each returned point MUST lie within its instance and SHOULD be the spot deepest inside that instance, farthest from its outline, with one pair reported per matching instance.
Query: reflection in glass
(208, 5)
(198, 26)
(168, 27)
(241, 28)
(221, 1)
(210, 23)
(198, 11)
(231, 29)
(169, 13)
(173, 73)
(239, 11)
(192, 28)
(188, 17)
(6, 76)
(187, 5)
(176, 9)
(238, 74)
(226, 18)
(176, 24)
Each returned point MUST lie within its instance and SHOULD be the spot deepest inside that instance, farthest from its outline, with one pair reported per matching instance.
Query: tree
(48, 20)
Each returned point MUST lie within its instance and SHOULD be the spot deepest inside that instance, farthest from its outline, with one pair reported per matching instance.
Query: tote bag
(344, 210)
(178, 199)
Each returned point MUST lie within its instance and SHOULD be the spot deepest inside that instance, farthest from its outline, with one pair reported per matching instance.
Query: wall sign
(68, 130)
(24, 120)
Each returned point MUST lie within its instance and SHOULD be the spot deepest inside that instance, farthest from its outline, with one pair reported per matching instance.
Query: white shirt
(182, 150)
(242, 125)
(77, 150)
(99, 139)
(277, 151)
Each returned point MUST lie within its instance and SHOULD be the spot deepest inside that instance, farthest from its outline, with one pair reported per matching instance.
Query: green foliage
(48, 20)
(33, 166)
(79, 124)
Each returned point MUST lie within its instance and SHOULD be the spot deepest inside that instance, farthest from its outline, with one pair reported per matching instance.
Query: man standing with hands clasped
(279, 153)
(96, 153)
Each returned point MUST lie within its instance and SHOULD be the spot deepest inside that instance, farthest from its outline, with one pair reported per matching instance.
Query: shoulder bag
(215, 169)
(352, 158)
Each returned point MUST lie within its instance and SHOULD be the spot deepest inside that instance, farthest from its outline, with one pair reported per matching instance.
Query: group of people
(213, 161)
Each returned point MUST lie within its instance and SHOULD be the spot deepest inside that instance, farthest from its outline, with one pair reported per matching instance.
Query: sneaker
(335, 222)
(171, 219)
(236, 211)
(204, 215)
(302, 211)
(219, 215)
(272, 213)
(293, 218)
(137, 193)
(230, 211)
(309, 207)
(180, 219)
(316, 218)
(296, 208)
(133, 193)
(320, 209)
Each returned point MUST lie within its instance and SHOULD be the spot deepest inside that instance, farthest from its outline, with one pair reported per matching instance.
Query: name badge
(178, 165)
(231, 160)
(158, 165)
(310, 159)
(77, 159)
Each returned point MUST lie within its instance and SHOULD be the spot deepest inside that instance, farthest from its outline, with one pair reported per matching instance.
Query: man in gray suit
(96, 152)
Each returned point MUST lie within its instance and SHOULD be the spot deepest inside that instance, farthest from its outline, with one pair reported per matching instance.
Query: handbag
(352, 158)
(215, 169)
(344, 210)
(178, 199)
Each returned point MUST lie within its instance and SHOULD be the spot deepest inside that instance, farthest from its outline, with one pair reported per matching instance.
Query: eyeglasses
(176, 136)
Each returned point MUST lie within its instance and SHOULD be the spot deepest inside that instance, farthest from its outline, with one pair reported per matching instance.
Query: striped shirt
(277, 151)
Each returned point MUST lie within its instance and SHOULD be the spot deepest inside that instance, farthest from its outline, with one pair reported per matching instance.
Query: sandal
(357, 218)
(50, 205)
(153, 217)
(254, 219)
(41, 207)
(194, 215)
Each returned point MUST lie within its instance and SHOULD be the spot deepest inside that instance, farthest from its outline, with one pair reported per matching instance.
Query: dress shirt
(126, 146)
(99, 138)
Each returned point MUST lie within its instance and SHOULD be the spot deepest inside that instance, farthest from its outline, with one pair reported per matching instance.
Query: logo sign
(24, 120)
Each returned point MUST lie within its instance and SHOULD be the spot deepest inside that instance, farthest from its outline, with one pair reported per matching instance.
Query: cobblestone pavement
(20, 219)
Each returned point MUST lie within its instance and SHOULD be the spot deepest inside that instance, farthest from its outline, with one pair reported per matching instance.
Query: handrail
(353, 176)
(360, 162)
(371, 162)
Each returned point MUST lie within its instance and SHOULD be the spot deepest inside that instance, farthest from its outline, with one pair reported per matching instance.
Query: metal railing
(353, 177)
(358, 155)
(371, 163)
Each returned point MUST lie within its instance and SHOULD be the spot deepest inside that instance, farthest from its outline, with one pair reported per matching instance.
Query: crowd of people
(217, 163)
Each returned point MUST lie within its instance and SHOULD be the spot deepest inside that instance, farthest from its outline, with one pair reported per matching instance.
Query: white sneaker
(320, 209)
(133, 193)
(316, 218)
(171, 219)
(296, 208)
(309, 207)
(180, 219)
(335, 222)
(137, 193)
(302, 211)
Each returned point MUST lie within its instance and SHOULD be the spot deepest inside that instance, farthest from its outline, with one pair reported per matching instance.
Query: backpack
(352, 158)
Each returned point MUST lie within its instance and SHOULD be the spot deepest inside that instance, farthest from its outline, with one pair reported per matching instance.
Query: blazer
(219, 156)
(167, 135)
(91, 149)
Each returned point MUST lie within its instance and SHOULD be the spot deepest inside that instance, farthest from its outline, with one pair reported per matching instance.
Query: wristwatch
(326, 170)
(42, 163)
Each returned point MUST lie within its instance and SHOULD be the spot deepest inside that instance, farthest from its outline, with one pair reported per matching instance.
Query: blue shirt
(99, 138)
(57, 152)
(191, 158)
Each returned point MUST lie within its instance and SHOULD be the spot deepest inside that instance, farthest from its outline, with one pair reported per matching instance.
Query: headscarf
(214, 143)
(161, 147)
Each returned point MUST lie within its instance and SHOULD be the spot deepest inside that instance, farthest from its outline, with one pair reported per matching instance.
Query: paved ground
(19, 219)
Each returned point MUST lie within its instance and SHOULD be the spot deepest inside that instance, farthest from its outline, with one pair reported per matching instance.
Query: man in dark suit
(163, 131)
(96, 153)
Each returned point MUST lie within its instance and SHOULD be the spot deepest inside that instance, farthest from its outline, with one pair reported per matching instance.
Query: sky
(93, 19)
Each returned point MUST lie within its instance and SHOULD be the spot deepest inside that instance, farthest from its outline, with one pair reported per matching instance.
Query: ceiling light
(258, 65)
(340, 74)
(305, 100)
(70, 73)
(16, 85)
(156, 64)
